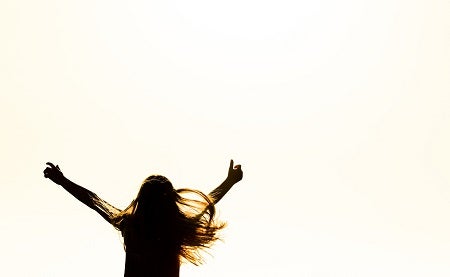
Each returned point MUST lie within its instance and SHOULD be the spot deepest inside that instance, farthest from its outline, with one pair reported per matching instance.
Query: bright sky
(338, 111)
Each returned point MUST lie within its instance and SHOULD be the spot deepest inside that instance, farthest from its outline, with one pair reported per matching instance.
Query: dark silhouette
(162, 225)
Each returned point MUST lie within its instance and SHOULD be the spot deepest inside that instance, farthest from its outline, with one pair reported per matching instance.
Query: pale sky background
(338, 111)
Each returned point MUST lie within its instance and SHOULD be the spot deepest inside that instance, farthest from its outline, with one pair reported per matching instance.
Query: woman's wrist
(231, 181)
(61, 180)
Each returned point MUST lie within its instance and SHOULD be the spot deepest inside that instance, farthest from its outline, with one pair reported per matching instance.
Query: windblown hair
(181, 220)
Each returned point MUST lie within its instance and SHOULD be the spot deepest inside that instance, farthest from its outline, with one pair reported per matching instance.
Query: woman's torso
(150, 254)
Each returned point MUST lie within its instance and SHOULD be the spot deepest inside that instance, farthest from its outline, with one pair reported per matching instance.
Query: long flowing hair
(181, 219)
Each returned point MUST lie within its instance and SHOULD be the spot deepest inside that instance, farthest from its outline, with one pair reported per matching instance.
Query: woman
(162, 225)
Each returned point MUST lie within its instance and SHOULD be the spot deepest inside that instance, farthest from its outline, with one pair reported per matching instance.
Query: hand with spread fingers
(54, 173)
(234, 172)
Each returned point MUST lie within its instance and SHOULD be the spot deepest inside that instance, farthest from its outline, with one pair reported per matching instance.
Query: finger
(231, 164)
(57, 166)
(51, 165)
(238, 166)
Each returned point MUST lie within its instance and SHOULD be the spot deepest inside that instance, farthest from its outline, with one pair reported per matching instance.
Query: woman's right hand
(54, 173)
(234, 173)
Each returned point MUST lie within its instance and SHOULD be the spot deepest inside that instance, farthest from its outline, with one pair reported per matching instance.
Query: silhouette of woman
(162, 225)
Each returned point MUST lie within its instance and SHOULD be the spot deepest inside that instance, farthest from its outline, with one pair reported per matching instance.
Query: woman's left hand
(54, 173)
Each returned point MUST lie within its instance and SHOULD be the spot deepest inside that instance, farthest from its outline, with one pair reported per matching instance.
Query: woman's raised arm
(234, 175)
(87, 197)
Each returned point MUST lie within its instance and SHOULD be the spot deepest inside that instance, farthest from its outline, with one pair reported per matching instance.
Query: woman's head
(156, 199)
(156, 185)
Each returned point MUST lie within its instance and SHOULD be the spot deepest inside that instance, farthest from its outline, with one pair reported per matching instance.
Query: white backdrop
(338, 112)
